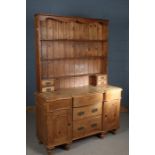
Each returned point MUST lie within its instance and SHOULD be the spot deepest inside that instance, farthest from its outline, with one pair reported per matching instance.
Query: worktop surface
(75, 92)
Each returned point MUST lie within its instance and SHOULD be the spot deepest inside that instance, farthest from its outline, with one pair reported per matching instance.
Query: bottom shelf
(70, 81)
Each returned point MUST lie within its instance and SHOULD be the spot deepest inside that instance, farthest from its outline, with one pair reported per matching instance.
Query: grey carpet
(111, 145)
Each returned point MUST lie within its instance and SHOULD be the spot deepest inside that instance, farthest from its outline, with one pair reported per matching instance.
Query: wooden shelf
(72, 58)
(69, 51)
(76, 40)
(68, 76)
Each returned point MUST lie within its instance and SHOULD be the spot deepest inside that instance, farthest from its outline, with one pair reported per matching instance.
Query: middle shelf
(73, 58)
(72, 67)
(74, 40)
(55, 50)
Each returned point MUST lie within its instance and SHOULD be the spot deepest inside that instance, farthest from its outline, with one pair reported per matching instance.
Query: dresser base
(64, 119)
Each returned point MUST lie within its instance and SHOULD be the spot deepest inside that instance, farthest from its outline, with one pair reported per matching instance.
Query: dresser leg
(101, 135)
(113, 131)
(49, 151)
(67, 146)
(40, 142)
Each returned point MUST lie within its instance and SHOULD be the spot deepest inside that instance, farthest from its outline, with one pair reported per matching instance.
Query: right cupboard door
(111, 111)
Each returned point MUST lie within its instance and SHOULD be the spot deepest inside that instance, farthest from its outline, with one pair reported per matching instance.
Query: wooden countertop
(74, 92)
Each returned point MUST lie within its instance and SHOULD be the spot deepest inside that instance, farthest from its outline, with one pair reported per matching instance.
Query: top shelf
(78, 40)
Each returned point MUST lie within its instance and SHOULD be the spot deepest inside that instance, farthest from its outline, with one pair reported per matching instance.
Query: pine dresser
(73, 97)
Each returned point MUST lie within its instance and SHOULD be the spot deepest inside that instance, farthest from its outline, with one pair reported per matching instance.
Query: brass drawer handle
(94, 125)
(102, 78)
(81, 113)
(48, 89)
(81, 128)
(47, 83)
(94, 110)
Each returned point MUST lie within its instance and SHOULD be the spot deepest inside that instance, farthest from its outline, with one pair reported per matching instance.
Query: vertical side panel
(38, 53)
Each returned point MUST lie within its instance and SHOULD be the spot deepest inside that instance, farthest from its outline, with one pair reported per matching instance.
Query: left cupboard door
(59, 127)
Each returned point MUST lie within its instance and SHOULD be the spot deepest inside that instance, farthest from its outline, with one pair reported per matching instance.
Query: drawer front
(112, 95)
(86, 127)
(48, 89)
(59, 105)
(47, 82)
(94, 124)
(102, 82)
(87, 111)
(87, 100)
(102, 77)
(79, 129)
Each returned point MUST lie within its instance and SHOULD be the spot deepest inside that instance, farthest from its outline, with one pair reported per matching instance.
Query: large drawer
(82, 128)
(112, 95)
(89, 99)
(87, 111)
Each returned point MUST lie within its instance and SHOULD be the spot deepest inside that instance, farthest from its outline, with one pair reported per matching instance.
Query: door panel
(111, 115)
(59, 127)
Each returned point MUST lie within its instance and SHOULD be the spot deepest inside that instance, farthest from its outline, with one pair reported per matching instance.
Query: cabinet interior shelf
(76, 40)
(72, 58)
(69, 76)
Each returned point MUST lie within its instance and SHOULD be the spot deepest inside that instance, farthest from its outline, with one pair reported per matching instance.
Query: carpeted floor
(111, 145)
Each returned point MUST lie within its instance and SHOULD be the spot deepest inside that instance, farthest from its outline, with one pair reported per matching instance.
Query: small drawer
(48, 89)
(87, 111)
(102, 82)
(86, 127)
(112, 95)
(47, 82)
(102, 77)
(99, 80)
(79, 101)
(59, 105)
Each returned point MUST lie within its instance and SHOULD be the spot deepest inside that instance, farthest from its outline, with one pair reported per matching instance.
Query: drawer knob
(81, 128)
(48, 89)
(94, 110)
(94, 125)
(81, 113)
(48, 83)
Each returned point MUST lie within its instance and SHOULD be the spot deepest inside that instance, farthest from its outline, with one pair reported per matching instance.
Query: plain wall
(117, 11)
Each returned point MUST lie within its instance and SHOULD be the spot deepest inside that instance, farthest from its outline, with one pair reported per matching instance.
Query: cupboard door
(111, 115)
(59, 127)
